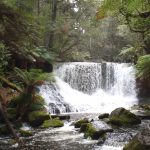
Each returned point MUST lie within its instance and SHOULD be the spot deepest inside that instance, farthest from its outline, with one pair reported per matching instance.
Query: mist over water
(90, 87)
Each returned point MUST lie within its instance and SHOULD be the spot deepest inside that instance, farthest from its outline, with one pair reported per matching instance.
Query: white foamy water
(90, 87)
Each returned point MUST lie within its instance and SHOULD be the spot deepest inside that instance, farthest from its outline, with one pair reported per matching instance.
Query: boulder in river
(54, 123)
(123, 117)
(140, 142)
(95, 130)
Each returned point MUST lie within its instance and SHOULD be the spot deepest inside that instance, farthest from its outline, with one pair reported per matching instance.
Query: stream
(84, 89)
(69, 138)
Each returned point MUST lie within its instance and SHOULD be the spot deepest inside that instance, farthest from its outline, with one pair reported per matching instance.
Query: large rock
(95, 130)
(140, 142)
(91, 132)
(54, 123)
(121, 117)
(36, 118)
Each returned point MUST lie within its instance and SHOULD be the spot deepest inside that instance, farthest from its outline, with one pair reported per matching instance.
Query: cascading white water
(90, 87)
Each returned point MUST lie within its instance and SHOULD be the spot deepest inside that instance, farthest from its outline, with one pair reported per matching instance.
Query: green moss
(89, 131)
(134, 144)
(80, 122)
(26, 133)
(83, 127)
(52, 123)
(36, 118)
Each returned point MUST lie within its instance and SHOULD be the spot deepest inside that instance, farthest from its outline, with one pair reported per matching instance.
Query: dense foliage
(136, 15)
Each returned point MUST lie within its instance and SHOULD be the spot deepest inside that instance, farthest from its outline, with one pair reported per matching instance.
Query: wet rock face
(102, 116)
(140, 142)
(123, 117)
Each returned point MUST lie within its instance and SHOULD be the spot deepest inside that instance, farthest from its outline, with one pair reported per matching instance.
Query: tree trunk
(8, 123)
(53, 19)
(38, 8)
(3, 111)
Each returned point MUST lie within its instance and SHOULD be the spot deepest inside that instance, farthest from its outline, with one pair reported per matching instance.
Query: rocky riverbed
(69, 138)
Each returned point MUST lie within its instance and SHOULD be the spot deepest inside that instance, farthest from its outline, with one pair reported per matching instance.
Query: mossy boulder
(54, 123)
(123, 117)
(95, 130)
(36, 118)
(80, 122)
(140, 142)
(4, 130)
(91, 132)
(26, 133)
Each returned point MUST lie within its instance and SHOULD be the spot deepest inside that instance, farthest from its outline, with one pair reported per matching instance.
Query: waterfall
(90, 87)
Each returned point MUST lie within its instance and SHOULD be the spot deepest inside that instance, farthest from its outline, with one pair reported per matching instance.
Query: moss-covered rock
(91, 132)
(4, 130)
(134, 144)
(54, 123)
(36, 118)
(80, 122)
(140, 142)
(121, 116)
(26, 133)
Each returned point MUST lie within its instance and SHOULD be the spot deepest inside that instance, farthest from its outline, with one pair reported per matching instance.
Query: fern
(33, 77)
(143, 67)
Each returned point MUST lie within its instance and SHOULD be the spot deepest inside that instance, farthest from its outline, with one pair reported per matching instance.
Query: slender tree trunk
(9, 125)
(38, 8)
(53, 20)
